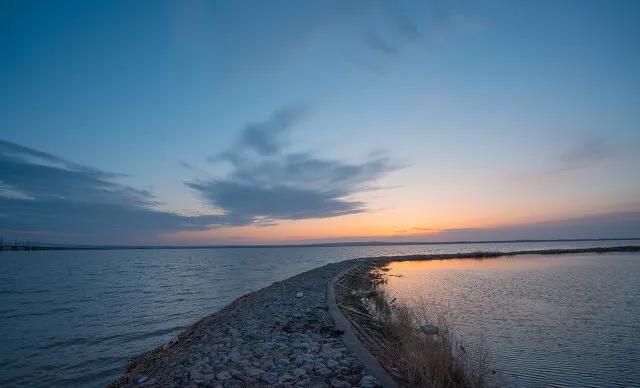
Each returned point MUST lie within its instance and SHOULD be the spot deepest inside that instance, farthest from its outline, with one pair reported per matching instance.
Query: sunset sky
(196, 122)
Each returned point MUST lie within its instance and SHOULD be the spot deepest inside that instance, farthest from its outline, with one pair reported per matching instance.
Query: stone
(336, 383)
(368, 381)
(269, 377)
(171, 342)
(224, 375)
(324, 371)
(196, 375)
(299, 373)
(331, 363)
(429, 329)
(254, 372)
(299, 294)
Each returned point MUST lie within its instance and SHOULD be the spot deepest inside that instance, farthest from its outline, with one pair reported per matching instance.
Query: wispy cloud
(625, 224)
(376, 43)
(267, 183)
(584, 154)
(416, 230)
(392, 29)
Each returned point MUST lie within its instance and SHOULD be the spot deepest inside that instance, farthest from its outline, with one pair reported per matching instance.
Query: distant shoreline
(48, 247)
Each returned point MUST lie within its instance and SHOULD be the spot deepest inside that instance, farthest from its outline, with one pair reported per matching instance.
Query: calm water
(568, 320)
(74, 318)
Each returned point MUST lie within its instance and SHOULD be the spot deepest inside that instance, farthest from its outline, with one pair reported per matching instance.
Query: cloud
(376, 43)
(48, 198)
(44, 196)
(391, 29)
(624, 224)
(267, 137)
(267, 183)
(606, 225)
(584, 154)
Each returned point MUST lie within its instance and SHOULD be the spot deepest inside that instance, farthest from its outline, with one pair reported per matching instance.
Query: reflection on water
(567, 320)
(74, 317)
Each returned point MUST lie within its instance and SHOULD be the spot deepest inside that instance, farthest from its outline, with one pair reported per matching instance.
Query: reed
(417, 344)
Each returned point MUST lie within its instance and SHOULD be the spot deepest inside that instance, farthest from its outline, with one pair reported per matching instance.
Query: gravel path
(281, 335)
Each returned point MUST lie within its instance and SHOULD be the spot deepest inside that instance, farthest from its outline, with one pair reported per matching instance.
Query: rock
(300, 360)
(339, 383)
(224, 375)
(269, 364)
(302, 345)
(368, 381)
(299, 295)
(269, 377)
(196, 375)
(331, 363)
(299, 373)
(254, 372)
(324, 371)
(429, 329)
(171, 342)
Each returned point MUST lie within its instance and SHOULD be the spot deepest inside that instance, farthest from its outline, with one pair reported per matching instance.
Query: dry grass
(395, 334)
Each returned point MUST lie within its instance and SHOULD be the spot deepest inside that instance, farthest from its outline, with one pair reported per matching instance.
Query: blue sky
(305, 121)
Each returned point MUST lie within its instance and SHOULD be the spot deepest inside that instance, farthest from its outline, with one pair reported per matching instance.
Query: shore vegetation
(416, 344)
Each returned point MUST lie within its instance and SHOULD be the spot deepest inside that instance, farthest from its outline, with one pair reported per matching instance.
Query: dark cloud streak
(44, 195)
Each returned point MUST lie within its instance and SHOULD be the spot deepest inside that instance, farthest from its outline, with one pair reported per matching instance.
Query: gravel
(281, 335)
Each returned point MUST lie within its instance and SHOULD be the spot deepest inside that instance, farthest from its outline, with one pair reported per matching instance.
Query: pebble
(223, 376)
(368, 381)
(269, 377)
(299, 373)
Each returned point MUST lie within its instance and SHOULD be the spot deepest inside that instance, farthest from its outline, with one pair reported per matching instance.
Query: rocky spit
(281, 335)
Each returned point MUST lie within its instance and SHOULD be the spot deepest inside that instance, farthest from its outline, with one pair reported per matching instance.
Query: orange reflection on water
(506, 262)
(427, 277)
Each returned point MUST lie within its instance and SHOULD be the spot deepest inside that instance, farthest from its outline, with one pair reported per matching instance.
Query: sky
(244, 122)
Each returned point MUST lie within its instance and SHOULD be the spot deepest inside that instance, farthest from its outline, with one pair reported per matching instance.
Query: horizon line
(50, 246)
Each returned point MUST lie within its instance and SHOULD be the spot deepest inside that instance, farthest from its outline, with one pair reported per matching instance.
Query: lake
(545, 320)
(74, 318)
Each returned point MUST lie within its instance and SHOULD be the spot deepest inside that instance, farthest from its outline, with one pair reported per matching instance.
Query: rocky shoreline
(281, 335)
(287, 334)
